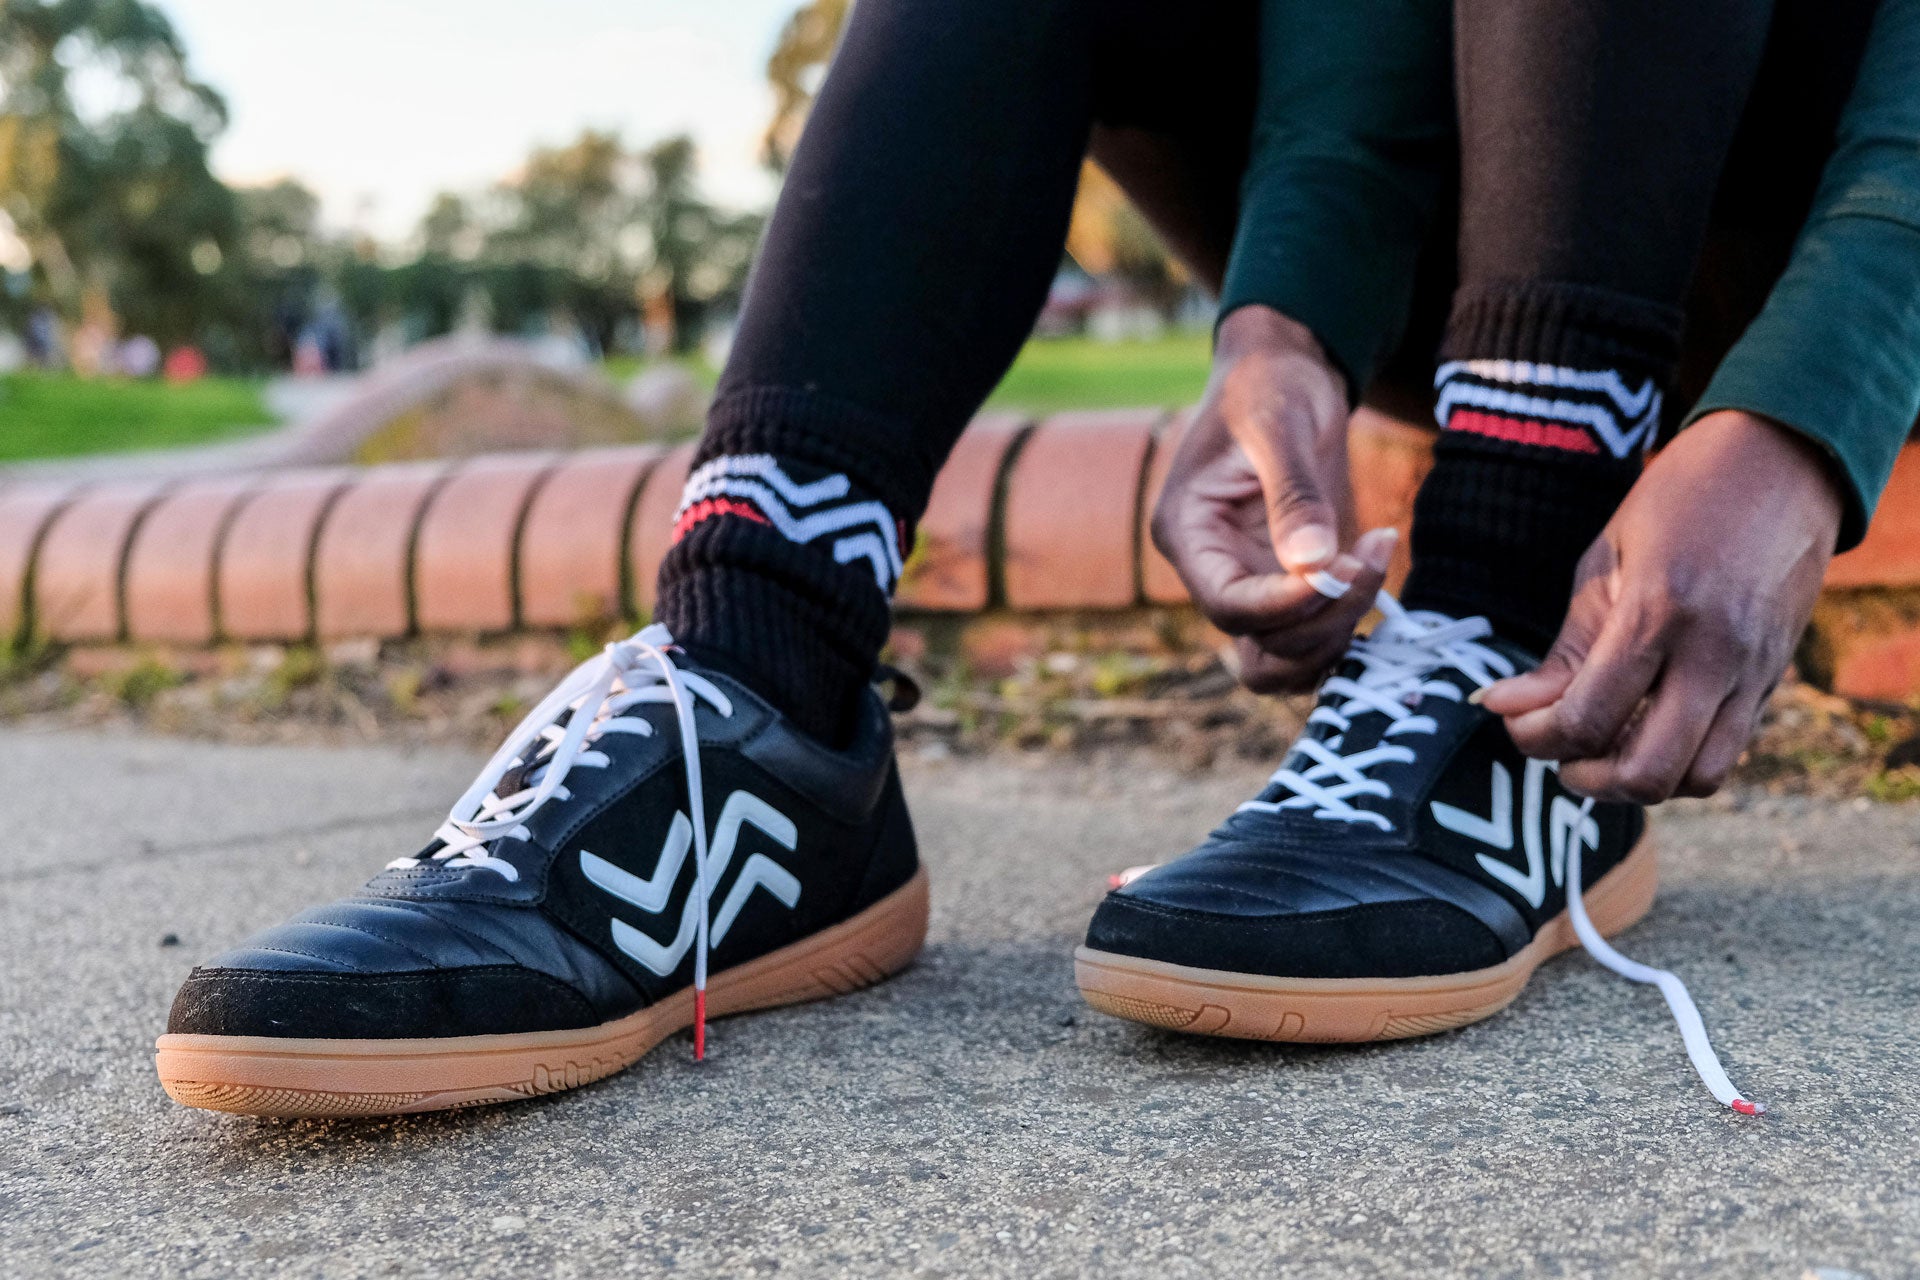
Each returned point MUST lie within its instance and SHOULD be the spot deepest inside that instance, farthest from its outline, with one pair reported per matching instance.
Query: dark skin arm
(1685, 613)
(1258, 498)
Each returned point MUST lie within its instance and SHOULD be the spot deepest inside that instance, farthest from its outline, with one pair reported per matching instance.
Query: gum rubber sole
(1247, 1006)
(269, 1076)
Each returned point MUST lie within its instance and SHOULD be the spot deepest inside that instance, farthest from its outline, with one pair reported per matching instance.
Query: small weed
(403, 691)
(301, 668)
(26, 656)
(582, 643)
(145, 680)
(1895, 786)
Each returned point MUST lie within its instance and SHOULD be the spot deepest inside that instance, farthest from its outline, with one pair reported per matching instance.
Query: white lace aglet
(1693, 1030)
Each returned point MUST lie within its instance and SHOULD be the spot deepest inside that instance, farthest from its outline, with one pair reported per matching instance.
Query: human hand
(1685, 612)
(1258, 499)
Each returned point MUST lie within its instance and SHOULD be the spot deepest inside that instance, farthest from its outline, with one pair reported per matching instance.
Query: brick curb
(1042, 515)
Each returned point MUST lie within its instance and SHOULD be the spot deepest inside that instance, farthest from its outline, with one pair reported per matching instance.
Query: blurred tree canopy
(105, 187)
(1108, 236)
(109, 188)
(612, 238)
(795, 69)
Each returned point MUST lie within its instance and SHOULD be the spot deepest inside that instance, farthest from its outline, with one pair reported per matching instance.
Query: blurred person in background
(1490, 209)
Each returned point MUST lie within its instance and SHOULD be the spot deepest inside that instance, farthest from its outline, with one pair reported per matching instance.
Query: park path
(971, 1117)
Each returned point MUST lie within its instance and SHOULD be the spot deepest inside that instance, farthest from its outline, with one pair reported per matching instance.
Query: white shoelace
(557, 736)
(1397, 660)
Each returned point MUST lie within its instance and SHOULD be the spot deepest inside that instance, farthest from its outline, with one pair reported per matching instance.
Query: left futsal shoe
(651, 823)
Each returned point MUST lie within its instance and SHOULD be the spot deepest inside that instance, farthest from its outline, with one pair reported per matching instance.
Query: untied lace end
(1693, 1029)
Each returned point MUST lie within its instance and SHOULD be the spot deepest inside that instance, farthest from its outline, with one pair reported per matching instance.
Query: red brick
(1073, 510)
(1387, 459)
(264, 578)
(362, 563)
(76, 578)
(25, 512)
(1883, 666)
(169, 585)
(652, 531)
(573, 544)
(948, 569)
(463, 564)
(1889, 556)
(1158, 581)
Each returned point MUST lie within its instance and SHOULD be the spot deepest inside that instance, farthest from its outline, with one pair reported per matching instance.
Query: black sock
(786, 551)
(1548, 396)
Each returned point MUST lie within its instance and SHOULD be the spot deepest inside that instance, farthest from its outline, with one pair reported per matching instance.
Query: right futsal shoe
(1404, 871)
(652, 821)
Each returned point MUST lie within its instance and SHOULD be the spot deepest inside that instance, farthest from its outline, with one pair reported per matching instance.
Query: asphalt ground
(971, 1117)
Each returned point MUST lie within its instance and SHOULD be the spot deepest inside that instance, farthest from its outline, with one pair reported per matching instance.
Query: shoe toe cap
(422, 1003)
(1306, 917)
(371, 968)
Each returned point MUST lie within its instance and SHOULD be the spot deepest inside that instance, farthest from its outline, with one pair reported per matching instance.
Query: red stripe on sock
(1548, 435)
(702, 510)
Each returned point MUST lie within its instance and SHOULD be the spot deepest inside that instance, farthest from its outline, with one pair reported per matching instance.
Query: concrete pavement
(971, 1117)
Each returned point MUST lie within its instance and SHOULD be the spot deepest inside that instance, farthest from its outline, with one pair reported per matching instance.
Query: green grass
(1079, 373)
(624, 368)
(53, 415)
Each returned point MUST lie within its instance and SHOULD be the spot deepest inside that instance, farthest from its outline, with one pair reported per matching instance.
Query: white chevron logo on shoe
(1566, 823)
(650, 894)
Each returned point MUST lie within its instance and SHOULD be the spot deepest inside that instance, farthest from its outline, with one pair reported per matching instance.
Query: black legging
(925, 211)
(924, 215)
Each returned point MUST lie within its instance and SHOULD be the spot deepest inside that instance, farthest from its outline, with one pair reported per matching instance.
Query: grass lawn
(55, 415)
(1063, 373)
(1079, 373)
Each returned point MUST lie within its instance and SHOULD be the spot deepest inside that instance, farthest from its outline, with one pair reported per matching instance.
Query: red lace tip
(1115, 881)
(1746, 1108)
(699, 1026)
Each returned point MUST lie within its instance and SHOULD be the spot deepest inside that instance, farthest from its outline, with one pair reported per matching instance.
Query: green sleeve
(1835, 353)
(1352, 149)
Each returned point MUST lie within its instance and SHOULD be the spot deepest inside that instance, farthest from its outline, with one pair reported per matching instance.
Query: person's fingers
(1585, 721)
(1243, 602)
(1361, 575)
(1268, 673)
(1299, 485)
(1725, 740)
(1653, 759)
(1543, 686)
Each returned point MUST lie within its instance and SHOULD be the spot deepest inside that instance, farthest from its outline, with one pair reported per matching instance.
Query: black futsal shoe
(1404, 871)
(559, 926)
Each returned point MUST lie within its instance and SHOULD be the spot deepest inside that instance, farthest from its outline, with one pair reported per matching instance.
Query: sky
(379, 104)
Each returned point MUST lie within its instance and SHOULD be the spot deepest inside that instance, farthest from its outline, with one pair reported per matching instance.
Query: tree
(1109, 236)
(794, 70)
(699, 254)
(115, 202)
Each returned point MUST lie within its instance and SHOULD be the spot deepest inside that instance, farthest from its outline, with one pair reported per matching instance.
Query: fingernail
(1309, 545)
(1378, 548)
(1477, 697)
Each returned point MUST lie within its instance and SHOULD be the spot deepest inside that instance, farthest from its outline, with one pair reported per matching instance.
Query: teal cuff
(1835, 354)
(1330, 243)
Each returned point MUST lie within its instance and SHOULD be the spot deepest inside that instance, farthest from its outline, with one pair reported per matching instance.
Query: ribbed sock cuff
(790, 538)
(1548, 322)
(880, 454)
(1548, 396)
